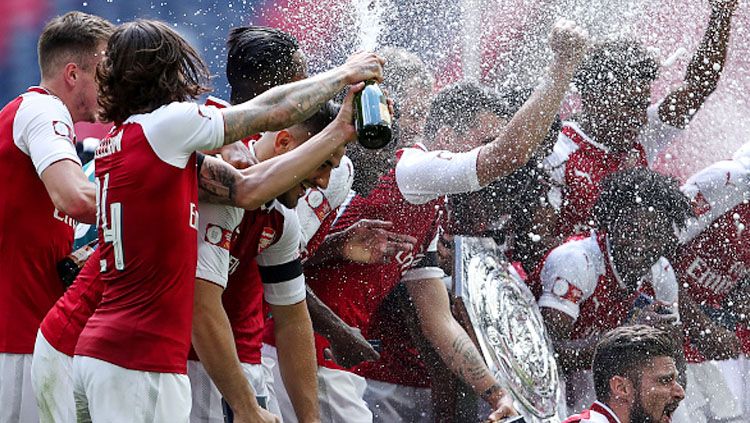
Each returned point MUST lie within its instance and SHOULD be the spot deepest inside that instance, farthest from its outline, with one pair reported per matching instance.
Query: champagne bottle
(69, 267)
(372, 117)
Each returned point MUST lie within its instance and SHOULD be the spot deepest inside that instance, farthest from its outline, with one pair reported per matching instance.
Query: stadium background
(507, 31)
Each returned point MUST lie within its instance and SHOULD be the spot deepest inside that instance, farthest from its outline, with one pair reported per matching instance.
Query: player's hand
(723, 6)
(569, 42)
(259, 415)
(238, 155)
(349, 348)
(720, 344)
(503, 408)
(370, 241)
(363, 66)
(345, 119)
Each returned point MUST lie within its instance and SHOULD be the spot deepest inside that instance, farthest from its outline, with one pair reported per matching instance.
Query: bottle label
(385, 114)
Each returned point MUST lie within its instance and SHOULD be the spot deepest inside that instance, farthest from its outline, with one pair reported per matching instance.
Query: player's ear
(70, 74)
(621, 389)
(283, 142)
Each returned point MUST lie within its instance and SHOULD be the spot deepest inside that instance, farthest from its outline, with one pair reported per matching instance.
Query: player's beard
(637, 412)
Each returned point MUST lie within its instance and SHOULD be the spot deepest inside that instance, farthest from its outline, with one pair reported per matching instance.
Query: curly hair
(147, 66)
(612, 63)
(641, 188)
(624, 351)
(71, 36)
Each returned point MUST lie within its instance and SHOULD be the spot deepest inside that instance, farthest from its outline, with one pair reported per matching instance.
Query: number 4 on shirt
(111, 229)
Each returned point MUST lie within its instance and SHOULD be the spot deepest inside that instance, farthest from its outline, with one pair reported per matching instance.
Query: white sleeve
(656, 135)
(179, 129)
(568, 279)
(215, 228)
(280, 266)
(43, 129)
(664, 281)
(425, 267)
(423, 176)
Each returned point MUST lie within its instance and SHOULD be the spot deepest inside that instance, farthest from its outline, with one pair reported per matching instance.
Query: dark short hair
(401, 70)
(457, 106)
(624, 351)
(259, 58)
(615, 62)
(638, 189)
(322, 118)
(71, 36)
(147, 66)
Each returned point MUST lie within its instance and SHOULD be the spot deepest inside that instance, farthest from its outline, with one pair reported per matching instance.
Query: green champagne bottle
(372, 118)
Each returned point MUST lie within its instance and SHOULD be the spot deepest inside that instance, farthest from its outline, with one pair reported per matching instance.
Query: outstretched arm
(252, 187)
(285, 105)
(454, 346)
(704, 70)
(513, 148)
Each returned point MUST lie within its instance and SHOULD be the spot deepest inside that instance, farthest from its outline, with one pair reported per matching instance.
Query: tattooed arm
(286, 105)
(252, 187)
(454, 346)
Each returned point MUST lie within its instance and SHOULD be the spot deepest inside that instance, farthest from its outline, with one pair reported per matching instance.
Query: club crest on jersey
(218, 236)
(62, 129)
(700, 205)
(318, 203)
(266, 238)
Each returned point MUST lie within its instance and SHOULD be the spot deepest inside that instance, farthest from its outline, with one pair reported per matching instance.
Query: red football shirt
(36, 130)
(147, 184)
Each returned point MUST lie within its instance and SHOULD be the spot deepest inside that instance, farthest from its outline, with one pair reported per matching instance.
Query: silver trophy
(508, 327)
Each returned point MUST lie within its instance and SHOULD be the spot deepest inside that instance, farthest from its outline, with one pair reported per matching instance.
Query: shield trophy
(508, 327)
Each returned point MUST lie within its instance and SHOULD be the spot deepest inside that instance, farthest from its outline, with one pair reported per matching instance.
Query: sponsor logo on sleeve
(700, 205)
(62, 129)
(218, 236)
(266, 238)
(567, 291)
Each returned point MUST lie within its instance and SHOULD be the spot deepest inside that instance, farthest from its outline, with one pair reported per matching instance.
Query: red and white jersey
(578, 164)
(354, 291)
(597, 413)
(36, 130)
(579, 279)
(63, 324)
(264, 265)
(714, 256)
(148, 218)
(317, 211)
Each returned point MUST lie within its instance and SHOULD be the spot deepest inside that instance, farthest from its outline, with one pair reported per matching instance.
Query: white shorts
(105, 392)
(17, 402)
(52, 378)
(207, 407)
(708, 397)
(340, 394)
(398, 403)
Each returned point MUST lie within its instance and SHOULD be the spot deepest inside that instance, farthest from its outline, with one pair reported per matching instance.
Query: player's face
(621, 112)
(638, 239)
(319, 178)
(659, 393)
(487, 126)
(86, 108)
(412, 111)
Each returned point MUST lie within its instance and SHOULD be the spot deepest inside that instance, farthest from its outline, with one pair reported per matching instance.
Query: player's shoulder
(37, 103)
(577, 259)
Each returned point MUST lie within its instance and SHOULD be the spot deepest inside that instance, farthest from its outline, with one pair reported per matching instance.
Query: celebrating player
(46, 193)
(140, 332)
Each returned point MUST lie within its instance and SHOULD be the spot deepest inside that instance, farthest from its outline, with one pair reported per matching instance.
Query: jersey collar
(575, 133)
(607, 412)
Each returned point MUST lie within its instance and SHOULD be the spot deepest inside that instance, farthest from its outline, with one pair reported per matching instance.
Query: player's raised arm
(285, 105)
(513, 148)
(704, 70)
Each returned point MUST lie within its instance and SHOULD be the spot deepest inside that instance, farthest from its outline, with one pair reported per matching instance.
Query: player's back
(34, 235)
(147, 184)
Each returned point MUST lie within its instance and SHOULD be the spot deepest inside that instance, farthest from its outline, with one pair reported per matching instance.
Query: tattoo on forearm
(218, 180)
(466, 361)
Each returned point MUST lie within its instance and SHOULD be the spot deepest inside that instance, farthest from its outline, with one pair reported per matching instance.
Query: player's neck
(263, 149)
(620, 409)
(602, 134)
(57, 89)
